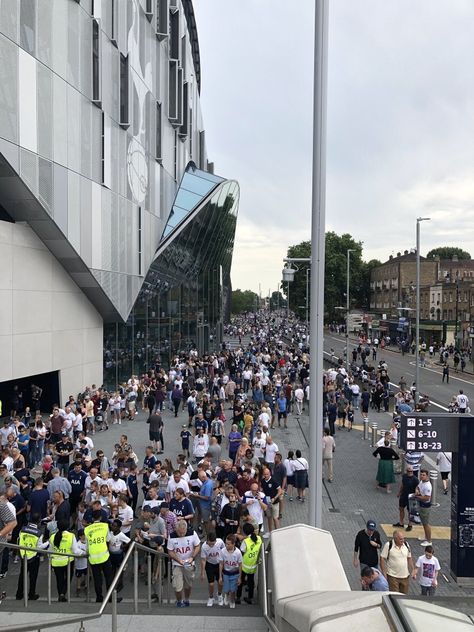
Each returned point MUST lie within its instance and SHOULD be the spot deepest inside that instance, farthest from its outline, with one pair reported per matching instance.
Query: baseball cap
(371, 524)
(164, 506)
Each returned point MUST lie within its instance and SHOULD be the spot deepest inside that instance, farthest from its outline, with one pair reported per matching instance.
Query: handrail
(110, 595)
(265, 591)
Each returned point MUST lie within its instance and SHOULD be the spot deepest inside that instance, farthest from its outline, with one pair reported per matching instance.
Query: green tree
(277, 300)
(447, 252)
(243, 301)
(334, 276)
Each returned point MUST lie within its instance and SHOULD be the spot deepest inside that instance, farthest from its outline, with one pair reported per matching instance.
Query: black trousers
(32, 570)
(98, 570)
(61, 577)
(249, 579)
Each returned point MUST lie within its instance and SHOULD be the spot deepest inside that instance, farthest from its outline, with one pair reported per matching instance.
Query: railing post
(160, 579)
(68, 584)
(24, 561)
(148, 573)
(135, 581)
(88, 584)
(49, 580)
(114, 611)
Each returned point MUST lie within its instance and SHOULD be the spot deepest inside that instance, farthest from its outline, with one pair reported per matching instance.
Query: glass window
(96, 79)
(159, 132)
(124, 100)
(28, 25)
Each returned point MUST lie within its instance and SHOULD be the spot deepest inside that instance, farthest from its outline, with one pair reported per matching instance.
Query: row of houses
(446, 298)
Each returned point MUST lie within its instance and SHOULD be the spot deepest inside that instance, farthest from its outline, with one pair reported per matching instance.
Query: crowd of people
(211, 507)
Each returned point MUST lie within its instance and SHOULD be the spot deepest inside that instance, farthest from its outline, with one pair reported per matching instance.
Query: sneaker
(425, 543)
(186, 603)
(210, 602)
(398, 524)
(291, 499)
(226, 600)
(409, 528)
(220, 600)
(3, 575)
(232, 605)
(179, 604)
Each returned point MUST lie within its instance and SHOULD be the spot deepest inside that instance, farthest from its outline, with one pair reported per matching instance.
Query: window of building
(450, 297)
(174, 35)
(114, 22)
(173, 91)
(96, 69)
(124, 98)
(450, 314)
(140, 219)
(28, 25)
(149, 9)
(159, 132)
(445, 314)
(162, 20)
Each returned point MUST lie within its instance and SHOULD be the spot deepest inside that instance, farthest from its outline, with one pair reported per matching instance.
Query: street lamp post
(417, 333)
(348, 256)
(307, 298)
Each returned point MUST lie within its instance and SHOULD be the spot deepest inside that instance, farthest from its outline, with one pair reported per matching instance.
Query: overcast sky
(400, 138)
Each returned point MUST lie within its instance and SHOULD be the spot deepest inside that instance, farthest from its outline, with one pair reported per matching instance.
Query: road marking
(437, 533)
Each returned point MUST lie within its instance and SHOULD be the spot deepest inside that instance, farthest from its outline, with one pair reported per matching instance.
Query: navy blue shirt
(78, 482)
(181, 508)
(39, 502)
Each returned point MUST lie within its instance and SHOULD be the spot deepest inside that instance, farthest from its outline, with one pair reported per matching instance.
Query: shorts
(230, 582)
(212, 572)
(154, 436)
(80, 572)
(183, 577)
(282, 414)
(206, 514)
(365, 409)
(425, 515)
(445, 475)
(273, 510)
(290, 480)
(403, 501)
(341, 415)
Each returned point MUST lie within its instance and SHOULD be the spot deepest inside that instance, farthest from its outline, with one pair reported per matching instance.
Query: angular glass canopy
(194, 187)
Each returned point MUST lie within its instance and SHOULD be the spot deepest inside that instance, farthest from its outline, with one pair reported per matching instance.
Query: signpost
(437, 432)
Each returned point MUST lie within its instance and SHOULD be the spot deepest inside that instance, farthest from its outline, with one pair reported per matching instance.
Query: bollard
(434, 487)
(366, 428)
(374, 434)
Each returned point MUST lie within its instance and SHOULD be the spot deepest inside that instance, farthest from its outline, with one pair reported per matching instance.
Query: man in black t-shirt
(408, 485)
(366, 546)
(63, 448)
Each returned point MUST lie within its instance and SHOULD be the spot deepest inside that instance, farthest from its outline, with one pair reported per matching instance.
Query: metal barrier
(111, 594)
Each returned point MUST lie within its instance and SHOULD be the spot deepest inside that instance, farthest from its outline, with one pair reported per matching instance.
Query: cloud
(400, 137)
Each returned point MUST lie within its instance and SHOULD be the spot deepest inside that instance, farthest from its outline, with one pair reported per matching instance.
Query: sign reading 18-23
(429, 432)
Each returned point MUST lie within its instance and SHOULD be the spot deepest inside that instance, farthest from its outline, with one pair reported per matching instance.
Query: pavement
(348, 502)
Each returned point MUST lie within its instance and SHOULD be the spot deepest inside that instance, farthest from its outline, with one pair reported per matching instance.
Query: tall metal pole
(348, 304)
(287, 300)
(318, 228)
(417, 332)
(307, 297)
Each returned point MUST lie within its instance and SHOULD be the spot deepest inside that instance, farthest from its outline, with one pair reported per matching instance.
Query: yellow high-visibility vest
(250, 557)
(96, 535)
(30, 540)
(65, 546)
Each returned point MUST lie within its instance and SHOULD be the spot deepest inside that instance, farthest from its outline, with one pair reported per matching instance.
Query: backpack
(390, 544)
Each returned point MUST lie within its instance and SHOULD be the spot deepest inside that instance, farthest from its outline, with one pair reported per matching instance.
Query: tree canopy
(447, 252)
(244, 301)
(334, 275)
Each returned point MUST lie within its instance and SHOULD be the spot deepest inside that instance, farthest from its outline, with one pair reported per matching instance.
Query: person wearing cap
(367, 545)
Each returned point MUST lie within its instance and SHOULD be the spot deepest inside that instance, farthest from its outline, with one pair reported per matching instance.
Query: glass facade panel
(8, 89)
(28, 25)
(184, 298)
